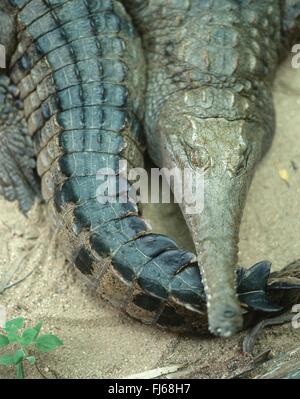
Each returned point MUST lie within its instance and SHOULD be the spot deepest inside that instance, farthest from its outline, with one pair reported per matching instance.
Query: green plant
(23, 341)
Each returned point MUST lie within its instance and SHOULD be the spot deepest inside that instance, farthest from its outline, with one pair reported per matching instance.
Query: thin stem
(20, 371)
(39, 370)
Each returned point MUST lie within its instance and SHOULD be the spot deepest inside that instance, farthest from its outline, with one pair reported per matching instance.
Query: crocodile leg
(18, 180)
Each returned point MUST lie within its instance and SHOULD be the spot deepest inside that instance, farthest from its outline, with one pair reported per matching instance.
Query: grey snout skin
(227, 155)
(215, 235)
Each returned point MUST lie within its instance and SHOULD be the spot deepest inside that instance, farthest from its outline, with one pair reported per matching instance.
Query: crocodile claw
(263, 291)
(252, 288)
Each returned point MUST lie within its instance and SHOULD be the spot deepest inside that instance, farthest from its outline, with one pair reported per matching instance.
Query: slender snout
(215, 234)
(226, 149)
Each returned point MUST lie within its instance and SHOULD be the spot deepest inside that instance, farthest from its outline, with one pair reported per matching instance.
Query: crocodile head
(225, 150)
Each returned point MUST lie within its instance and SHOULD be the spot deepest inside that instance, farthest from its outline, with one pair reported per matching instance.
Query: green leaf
(18, 356)
(48, 342)
(31, 359)
(7, 360)
(38, 328)
(20, 371)
(14, 324)
(13, 337)
(3, 340)
(28, 336)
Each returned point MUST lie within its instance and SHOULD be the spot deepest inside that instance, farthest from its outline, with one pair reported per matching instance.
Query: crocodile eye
(239, 162)
(198, 156)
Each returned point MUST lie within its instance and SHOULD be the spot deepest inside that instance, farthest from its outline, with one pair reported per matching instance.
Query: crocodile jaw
(215, 235)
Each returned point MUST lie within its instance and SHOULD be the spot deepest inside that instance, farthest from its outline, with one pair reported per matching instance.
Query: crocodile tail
(76, 66)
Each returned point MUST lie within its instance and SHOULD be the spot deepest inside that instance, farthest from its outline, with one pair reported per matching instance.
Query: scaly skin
(80, 69)
(209, 106)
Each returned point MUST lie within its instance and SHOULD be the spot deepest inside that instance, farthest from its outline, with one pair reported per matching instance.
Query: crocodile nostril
(230, 313)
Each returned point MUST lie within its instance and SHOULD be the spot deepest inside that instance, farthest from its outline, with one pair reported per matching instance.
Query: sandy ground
(101, 343)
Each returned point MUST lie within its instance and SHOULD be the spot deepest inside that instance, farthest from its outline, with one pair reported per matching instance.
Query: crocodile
(91, 82)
